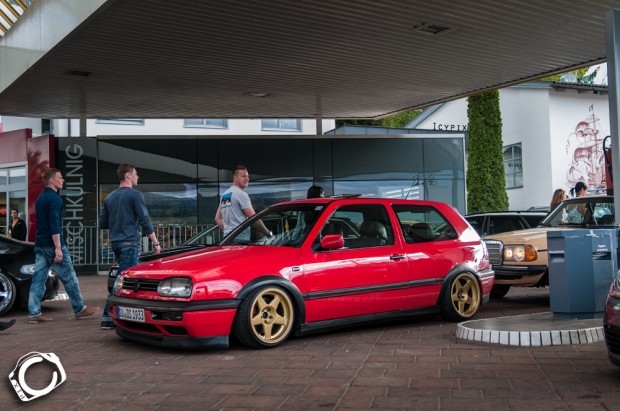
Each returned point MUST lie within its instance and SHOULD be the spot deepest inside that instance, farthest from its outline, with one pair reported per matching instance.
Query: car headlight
(27, 269)
(175, 287)
(520, 253)
(118, 284)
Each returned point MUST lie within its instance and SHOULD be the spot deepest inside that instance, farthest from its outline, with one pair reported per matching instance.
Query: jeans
(126, 253)
(44, 260)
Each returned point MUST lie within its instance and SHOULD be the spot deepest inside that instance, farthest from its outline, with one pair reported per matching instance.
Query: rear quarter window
(421, 224)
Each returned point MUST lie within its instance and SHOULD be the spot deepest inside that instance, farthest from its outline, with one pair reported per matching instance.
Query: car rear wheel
(500, 290)
(8, 294)
(265, 318)
(462, 300)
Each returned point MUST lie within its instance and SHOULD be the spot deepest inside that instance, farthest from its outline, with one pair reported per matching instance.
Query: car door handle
(396, 257)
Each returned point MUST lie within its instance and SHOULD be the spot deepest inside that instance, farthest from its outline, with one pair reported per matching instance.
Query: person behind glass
(235, 206)
(17, 227)
(559, 195)
(315, 192)
(51, 252)
(123, 212)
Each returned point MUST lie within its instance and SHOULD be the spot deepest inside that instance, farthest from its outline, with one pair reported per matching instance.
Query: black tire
(500, 290)
(264, 318)
(8, 293)
(462, 298)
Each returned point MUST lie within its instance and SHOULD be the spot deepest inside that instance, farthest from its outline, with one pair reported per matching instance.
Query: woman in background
(559, 195)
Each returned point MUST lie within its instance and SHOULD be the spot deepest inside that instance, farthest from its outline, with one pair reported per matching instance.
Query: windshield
(289, 224)
(585, 211)
(208, 236)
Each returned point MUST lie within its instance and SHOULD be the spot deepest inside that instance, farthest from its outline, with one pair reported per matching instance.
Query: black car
(496, 222)
(16, 271)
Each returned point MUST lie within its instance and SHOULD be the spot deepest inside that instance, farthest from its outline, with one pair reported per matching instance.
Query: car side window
(421, 224)
(476, 223)
(361, 226)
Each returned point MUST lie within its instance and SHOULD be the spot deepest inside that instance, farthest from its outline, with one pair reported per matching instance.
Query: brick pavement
(404, 366)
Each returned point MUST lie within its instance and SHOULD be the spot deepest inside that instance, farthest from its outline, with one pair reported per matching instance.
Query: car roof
(516, 212)
(355, 199)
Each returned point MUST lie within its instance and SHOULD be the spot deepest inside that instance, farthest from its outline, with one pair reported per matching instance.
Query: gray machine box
(582, 265)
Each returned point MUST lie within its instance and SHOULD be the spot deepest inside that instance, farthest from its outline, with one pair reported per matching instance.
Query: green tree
(395, 121)
(486, 182)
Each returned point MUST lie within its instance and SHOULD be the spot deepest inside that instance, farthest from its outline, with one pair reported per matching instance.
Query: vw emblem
(136, 286)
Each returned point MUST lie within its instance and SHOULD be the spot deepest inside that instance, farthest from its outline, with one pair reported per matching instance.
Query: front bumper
(176, 324)
(518, 272)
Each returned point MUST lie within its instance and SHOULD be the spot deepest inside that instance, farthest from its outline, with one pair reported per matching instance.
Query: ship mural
(584, 148)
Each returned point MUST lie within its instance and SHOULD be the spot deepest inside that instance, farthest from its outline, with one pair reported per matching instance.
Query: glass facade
(182, 178)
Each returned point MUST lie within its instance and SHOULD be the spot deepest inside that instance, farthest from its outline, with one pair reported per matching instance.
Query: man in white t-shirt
(235, 205)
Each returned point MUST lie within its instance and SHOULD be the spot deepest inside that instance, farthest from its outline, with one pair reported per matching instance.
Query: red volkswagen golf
(329, 263)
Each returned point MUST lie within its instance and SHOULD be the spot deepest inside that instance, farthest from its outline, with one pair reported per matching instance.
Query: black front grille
(612, 338)
(140, 284)
(495, 249)
(148, 328)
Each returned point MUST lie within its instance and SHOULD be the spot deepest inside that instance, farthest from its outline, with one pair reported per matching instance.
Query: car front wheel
(462, 300)
(264, 318)
(8, 293)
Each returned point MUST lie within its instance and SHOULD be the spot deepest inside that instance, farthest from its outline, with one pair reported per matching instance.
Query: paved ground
(415, 365)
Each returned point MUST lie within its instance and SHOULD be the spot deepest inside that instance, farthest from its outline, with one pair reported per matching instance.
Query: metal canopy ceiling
(294, 59)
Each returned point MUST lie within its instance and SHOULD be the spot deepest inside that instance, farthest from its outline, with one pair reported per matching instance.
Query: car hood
(169, 251)
(215, 262)
(533, 235)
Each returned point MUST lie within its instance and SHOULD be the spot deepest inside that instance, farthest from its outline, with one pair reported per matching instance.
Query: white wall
(549, 126)
(525, 120)
(164, 127)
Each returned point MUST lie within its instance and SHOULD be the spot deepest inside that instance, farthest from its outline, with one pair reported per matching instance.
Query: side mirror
(332, 242)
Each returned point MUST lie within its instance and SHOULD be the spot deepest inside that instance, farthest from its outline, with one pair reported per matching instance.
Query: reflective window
(121, 121)
(206, 156)
(513, 168)
(206, 122)
(157, 160)
(410, 190)
(281, 125)
(423, 224)
(267, 159)
(378, 159)
(166, 203)
(17, 176)
(365, 225)
(3, 177)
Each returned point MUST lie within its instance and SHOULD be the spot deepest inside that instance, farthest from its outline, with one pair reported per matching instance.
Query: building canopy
(283, 59)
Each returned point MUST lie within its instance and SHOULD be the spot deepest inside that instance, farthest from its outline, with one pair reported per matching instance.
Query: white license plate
(130, 314)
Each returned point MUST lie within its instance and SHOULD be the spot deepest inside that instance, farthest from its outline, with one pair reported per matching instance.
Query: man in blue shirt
(51, 252)
(123, 212)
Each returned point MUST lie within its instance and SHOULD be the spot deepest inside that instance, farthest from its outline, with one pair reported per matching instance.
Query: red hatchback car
(330, 263)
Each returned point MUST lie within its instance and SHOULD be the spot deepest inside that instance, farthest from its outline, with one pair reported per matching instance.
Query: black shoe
(4, 326)
(107, 325)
